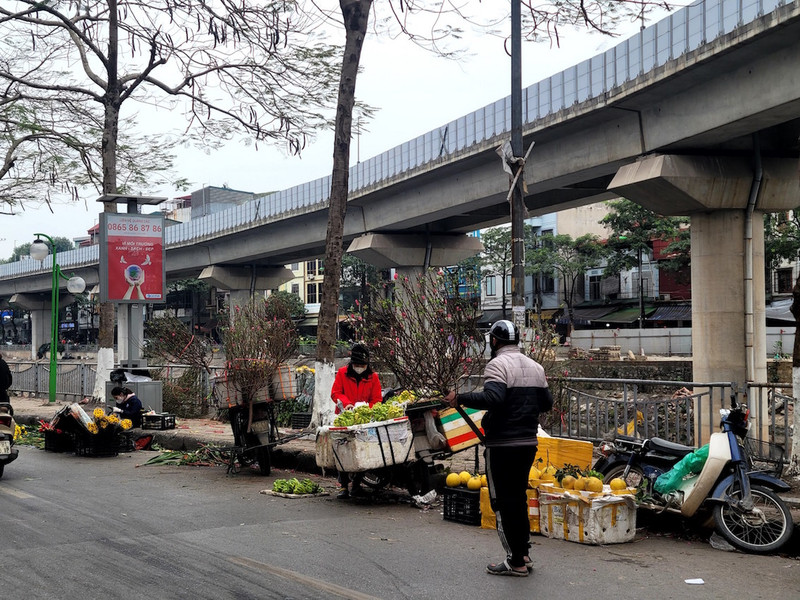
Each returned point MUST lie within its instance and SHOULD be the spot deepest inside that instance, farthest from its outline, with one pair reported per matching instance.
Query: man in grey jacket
(514, 393)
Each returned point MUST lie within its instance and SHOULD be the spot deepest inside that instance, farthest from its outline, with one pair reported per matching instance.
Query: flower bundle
(101, 422)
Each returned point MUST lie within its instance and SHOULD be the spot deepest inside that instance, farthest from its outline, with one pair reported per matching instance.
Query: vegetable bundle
(295, 486)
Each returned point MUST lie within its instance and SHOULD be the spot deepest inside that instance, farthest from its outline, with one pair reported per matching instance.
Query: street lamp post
(75, 285)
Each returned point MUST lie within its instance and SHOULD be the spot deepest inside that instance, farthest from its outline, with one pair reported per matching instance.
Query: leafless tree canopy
(426, 336)
(253, 68)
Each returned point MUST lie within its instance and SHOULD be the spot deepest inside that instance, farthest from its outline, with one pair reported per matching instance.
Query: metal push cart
(254, 426)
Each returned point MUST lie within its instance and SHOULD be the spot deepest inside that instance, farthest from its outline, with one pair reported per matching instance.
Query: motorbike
(7, 426)
(742, 499)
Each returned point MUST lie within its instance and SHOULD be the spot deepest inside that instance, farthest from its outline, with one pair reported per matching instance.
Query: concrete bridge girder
(245, 278)
(409, 250)
(681, 185)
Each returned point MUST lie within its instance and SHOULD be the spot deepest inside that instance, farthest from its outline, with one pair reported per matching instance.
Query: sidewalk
(297, 454)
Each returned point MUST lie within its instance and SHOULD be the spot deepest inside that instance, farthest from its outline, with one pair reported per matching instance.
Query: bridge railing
(681, 32)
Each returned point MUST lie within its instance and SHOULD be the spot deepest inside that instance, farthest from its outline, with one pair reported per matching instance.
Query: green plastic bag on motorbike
(688, 465)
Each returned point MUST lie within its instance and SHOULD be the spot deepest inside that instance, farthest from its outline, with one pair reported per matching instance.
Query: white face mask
(359, 370)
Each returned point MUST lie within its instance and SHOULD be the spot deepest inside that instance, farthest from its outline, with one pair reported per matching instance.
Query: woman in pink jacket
(355, 382)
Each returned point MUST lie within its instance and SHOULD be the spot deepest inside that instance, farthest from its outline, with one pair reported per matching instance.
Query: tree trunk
(355, 14)
(105, 335)
(794, 456)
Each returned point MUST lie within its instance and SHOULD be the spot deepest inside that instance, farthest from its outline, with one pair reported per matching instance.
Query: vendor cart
(399, 452)
(255, 429)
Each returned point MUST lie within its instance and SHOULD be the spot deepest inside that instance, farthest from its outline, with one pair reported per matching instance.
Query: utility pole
(517, 201)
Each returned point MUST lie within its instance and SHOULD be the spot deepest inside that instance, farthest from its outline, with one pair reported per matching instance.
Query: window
(783, 281)
(548, 285)
(296, 289)
(295, 266)
(491, 286)
(594, 287)
(314, 268)
(312, 293)
(508, 284)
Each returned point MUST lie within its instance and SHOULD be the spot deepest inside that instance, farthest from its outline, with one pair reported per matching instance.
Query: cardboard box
(607, 519)
(489, 520)
(372, 445)
(458, 433)
(563, 451)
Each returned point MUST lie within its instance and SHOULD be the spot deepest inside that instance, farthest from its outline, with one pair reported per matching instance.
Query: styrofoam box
(324, 448)
(602, 520)
(372, 445)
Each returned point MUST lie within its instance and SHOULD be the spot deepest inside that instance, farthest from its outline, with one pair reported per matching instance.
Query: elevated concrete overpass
(675, 117)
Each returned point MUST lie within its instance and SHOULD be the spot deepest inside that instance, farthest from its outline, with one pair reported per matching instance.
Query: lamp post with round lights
(75, 285)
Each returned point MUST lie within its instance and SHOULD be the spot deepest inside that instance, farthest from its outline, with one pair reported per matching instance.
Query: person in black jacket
(5, 382)
(514, 393)
(128, 405)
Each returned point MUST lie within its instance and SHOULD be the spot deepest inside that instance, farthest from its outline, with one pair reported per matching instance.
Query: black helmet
(505, 332)
(359, 354)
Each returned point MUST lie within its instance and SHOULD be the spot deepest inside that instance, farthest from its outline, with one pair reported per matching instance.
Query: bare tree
(259, 69)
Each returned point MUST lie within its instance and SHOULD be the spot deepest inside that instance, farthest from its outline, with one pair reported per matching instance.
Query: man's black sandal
(504, 568)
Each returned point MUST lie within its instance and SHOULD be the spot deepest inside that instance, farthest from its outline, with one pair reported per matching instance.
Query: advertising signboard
(132, 268)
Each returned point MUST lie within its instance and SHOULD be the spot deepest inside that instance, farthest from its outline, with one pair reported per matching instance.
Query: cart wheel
(263, 458)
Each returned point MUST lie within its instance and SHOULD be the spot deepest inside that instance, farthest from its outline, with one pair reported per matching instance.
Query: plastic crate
(126, 442)
(58, 442)
(98, 445)
(159, 421)
(301, 420)
(462, 506)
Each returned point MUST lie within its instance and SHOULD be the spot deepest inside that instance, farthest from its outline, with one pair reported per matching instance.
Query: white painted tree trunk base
(322, 409)
(105, 364)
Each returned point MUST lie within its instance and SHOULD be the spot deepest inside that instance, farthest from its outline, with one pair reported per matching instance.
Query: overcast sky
(414, 92)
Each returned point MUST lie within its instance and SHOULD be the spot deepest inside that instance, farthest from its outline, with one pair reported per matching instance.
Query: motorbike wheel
(634, 478)
(264, 462)
(374, 481)
(762, 530)
(2, 468)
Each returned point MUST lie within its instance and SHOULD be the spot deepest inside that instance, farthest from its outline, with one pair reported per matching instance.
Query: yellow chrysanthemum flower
(99, 413)
(126, 424)
(112, 419)
(92, 427)
(103, 423)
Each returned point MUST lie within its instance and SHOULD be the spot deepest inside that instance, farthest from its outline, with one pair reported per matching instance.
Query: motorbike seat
(667, 447)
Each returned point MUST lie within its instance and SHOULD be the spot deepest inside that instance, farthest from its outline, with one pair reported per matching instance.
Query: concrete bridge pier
(244, 282)
(411, 254)
(41, 312)
(725, 198)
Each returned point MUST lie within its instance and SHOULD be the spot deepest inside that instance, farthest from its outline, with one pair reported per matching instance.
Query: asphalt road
(88, 528)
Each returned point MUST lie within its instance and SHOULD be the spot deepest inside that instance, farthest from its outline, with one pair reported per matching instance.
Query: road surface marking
(324, 586)
(16, 493)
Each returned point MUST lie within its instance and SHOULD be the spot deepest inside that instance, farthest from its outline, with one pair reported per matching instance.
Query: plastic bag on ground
(689, 464)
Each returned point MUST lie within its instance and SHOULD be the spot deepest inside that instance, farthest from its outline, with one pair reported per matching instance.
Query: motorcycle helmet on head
(359, 354)
(504, 333)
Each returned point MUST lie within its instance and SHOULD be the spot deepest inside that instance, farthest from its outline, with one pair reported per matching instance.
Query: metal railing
(586, 408)
(596, 409)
